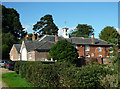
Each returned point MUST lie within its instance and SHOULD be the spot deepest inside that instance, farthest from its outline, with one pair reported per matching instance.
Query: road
(2, 70)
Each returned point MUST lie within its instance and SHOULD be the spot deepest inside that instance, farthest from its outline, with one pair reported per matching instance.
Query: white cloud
(118, 29)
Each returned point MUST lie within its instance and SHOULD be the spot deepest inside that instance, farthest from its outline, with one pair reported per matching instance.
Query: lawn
(12, 79)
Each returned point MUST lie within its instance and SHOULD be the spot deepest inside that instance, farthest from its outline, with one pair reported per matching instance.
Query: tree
(11, 23)
(109, 34)
(83, 30)
(12, 30)
(64, 51)
(46, 25)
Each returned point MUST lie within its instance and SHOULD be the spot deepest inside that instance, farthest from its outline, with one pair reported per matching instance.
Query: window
(88, 55)
(99, 55)
(92, 54)
(11, 57)
(19, 57)
(111, 49)
(99, 49)
(87, 48)
(30, 56)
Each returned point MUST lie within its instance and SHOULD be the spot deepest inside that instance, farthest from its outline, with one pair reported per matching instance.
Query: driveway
(2, 71)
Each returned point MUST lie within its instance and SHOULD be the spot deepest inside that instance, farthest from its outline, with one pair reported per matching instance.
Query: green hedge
(62, 74)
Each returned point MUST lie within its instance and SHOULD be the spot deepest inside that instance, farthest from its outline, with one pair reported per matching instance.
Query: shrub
(64, 51)
(63, 74)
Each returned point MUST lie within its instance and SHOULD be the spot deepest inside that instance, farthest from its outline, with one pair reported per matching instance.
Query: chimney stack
(56, 38)
(93, 39)
(33, 37)
(26, 37)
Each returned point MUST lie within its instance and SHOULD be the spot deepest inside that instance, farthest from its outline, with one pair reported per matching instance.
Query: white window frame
(99, 55)
(11, 57)
(111, 51)
(88, 48)
(30, 55)
(88, 56)
(18, 56)
(92, 54)
(100, 49)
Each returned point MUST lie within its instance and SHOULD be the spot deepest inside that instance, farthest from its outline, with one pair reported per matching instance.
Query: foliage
(83, 30)
(11, 23)
(64, 51)
(63, 74)
(5, 51)
(110, 35)
(12, 30)
(12, 79)
(46, 25)
(110, 81)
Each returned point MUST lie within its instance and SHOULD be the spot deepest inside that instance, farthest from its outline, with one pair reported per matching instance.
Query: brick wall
(92, 50)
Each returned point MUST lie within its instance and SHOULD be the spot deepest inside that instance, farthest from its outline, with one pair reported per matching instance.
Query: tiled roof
(76, 40)
(17, 46)
(38, 45)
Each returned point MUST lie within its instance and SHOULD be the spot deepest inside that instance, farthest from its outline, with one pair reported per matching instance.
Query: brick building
(37, 50)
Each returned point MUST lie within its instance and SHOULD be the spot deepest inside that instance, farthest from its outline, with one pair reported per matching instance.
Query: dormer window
(87, 48)
(99, 49)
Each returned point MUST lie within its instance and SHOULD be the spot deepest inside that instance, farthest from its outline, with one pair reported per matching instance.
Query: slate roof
(76, 40)
(17, 46)
(38, 45)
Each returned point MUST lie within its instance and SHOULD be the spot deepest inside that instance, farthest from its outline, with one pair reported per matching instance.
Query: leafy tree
(11, 23)
(5, 51)
(83, 30)
(64, 51)
(46, 25)
(110, 35)
(12, 30)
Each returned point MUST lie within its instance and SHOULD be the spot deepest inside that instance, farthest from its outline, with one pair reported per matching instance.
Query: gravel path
(2, 71)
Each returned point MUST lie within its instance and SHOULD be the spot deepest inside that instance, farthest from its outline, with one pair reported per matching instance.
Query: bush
(64, 51)
(63, 74)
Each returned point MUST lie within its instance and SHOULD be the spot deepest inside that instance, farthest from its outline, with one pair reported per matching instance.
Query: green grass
(12, 79)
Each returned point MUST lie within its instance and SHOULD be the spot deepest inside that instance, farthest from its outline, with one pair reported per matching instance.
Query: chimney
(93, 39)
(56, 38)
(33, 37)
(26, 37)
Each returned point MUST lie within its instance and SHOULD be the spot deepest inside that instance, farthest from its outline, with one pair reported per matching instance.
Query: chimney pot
(26, 37)
(33, 37)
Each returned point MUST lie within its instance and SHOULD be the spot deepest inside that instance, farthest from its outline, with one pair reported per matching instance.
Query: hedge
(62, 74)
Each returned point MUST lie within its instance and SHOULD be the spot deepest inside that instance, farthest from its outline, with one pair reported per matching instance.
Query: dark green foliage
(83, 30)
(63, 74)
(46, 25)
(64, 51)
(11, 23)
(5, 51)
(110, 35)
(12, 30)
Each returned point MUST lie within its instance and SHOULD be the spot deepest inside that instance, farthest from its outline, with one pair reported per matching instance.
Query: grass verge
(12, 79)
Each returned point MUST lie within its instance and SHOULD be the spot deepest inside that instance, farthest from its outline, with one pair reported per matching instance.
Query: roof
(38, 45)
(76, 40)
(88, 41)
(17, 46)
